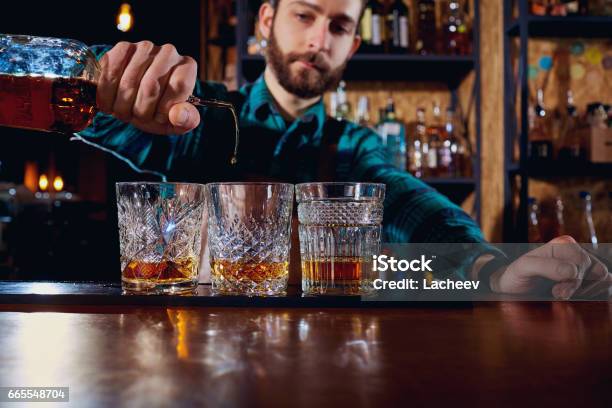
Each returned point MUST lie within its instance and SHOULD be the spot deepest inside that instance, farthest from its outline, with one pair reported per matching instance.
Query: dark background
(76, 239)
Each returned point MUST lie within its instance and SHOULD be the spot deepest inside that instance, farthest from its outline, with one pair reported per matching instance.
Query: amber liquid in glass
(251, 278)
(256, 272)
(51, 104)
(344, 275)
(164, 272)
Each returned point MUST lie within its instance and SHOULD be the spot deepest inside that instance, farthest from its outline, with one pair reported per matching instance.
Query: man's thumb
(184, 116)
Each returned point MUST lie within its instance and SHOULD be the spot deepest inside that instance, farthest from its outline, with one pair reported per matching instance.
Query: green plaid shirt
(314, 147)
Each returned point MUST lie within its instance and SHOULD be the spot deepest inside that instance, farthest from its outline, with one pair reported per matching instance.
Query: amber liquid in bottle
(52, 104)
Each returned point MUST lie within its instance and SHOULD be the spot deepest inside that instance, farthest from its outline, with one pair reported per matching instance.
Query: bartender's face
(310, 42)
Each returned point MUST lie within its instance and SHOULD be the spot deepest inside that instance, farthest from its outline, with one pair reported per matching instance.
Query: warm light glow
(125, 19)
(43, 182)
(30, 177)
(58, 183)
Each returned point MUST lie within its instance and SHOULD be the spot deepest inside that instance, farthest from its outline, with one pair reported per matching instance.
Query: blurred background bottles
(424, 27)
(578, 214)
(438, 149)
(568, 133)
(570, 7)
(456, 35)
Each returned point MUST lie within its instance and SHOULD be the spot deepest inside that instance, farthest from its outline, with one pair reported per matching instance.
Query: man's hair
(275, 3)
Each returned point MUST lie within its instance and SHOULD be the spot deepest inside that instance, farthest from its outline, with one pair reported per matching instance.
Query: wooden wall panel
(492, 93)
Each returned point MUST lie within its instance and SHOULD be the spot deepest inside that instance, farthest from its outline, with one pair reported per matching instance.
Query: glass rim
(249, 183)
(157, 183)
(340, 183)
(306, 192)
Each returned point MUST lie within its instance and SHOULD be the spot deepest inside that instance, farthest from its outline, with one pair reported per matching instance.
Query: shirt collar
(262, 103)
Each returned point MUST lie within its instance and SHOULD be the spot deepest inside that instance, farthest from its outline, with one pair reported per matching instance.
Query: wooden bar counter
(500, 353)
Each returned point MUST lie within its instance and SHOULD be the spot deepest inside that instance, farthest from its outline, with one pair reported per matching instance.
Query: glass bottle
(50, 84)
(343, 110)
(573, 145)
(560, 228)
(434, 136)
(426, 27)
(371, 27)
(540, 145)
(538, 7)
(533, 230)
(415, 149)
(456, 35)
(585, 232)
(363, 111)
(398, 28)
(47, 84)
(447, 153)
(393, 136)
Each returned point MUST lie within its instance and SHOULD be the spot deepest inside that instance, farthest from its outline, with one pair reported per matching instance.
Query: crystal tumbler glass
(160, 236)
(249, 231)
(340, 230)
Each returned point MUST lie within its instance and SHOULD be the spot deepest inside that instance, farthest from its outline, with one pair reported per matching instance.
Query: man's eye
(303, 17)
(338, 29)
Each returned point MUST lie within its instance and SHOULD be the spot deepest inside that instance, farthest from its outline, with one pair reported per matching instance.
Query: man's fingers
(184, 117)
(597, 279)
(556, 270)
(130, 81)
(565, 248)
(179, 88)
(112, 65)
(154, 82)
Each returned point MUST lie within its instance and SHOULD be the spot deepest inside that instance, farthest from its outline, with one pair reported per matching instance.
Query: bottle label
(366, 26)
(25, 102)
(376, 30)
(432, 158)
(404, 35)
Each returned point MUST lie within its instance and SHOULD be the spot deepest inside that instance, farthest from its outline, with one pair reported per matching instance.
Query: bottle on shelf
(456, 35)
(559, 225)
(434, 142)
(533, 231)
(540, 145)
(572, 7)
(415, 148)
(447, 161)
(363, 111)
(597, 115)
(426, 27)
(538, 7)
(557, 8)
(398, 28)
(372, 27)
(343, 110)
(393, 136)
(333, 105)
(585, 230)
(573, 145)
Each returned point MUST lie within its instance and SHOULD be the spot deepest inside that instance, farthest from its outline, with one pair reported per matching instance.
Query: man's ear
(266, 17)
(355, 46)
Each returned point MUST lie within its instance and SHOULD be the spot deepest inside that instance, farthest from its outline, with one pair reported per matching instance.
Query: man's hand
(570, 270)
(147, 86)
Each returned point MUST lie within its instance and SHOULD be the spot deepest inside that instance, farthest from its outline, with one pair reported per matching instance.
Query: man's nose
(320, 37)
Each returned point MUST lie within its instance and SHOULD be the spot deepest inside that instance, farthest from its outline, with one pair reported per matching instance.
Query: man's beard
(308, 83)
